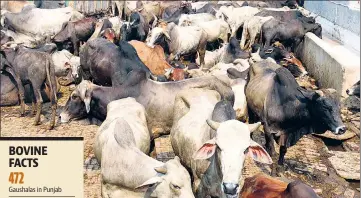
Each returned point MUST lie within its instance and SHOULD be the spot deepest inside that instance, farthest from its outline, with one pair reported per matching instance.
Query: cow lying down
(89, 99)
(264, 186)
(210, 142)
(126, 170)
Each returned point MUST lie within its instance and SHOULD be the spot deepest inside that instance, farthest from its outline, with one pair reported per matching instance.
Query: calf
(354, 90)
(181, 40)
(35, 68)
(126, 170)
(303, 112)
(212, 144)
(264, 186)
(235, 17)
(107, 64)
(77, 31)
(215, 29)
(89, 99)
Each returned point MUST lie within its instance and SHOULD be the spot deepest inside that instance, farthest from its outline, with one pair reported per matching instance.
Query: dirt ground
(307, 161)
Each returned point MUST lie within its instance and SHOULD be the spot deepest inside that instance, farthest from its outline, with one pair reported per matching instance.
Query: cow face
(134, 20)
(78, 104)
(172, 180)
(325, 111)
(156, 36)
(231, 145)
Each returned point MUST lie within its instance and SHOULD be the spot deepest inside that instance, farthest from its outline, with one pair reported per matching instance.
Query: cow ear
(257, 153)
(87, 100)
(207, 150)
(149, 182)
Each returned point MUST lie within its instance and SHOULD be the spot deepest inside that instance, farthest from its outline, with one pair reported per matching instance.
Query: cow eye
(176, 187)
(74, 97)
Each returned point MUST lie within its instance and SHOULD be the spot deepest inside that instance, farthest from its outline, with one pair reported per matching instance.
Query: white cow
(235, 17)
(215, 157)
(126, 170)
(41, 22)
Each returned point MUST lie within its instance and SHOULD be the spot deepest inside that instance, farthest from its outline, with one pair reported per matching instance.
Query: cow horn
(214, 125)
(155, 21)
(177, 158)
(153, 77)
(168, 72)
(161, 169)
(167, 35)
(185, 69)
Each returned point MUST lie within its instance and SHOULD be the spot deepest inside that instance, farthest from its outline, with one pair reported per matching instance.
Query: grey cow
(126, 170)
(36, 68)
(215, 157)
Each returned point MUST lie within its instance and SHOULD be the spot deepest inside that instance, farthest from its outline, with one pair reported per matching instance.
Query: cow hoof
(50, 127)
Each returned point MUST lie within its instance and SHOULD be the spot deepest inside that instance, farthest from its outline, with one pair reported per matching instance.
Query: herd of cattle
(199, 71)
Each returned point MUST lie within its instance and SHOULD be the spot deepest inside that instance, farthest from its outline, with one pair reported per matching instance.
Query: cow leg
(33, 102)
(270, 148)
(283, 151)
(20, 88)
(75, 42)
(53, 106)
(39, 102)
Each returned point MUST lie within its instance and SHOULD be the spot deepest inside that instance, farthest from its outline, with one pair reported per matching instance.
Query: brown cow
(153, 58)
(264, 186)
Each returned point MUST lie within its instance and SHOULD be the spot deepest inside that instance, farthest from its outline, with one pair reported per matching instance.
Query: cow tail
(47, 69)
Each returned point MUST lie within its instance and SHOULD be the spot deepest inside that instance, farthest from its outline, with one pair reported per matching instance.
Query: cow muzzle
(230, 189)
(150, 45)
(340, 130)
(64, 117)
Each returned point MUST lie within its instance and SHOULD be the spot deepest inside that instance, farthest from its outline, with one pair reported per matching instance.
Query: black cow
(75, 32)
(36, 68)
(173, 13)
(136, 29)
(290, 33)
(288, 111)
(107, 64)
